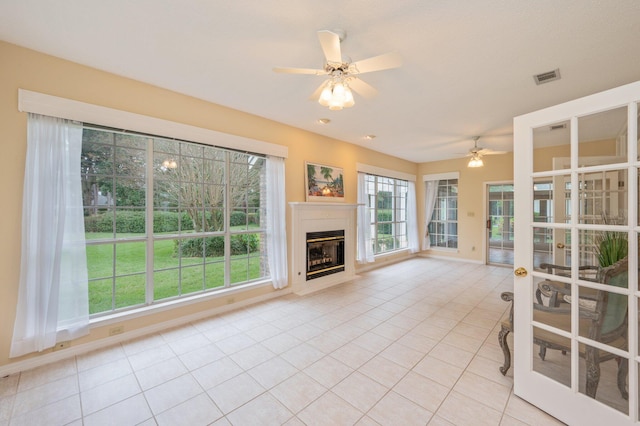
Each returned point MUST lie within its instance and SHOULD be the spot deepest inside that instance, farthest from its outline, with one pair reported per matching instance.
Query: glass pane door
(500, 224)
(576, 238)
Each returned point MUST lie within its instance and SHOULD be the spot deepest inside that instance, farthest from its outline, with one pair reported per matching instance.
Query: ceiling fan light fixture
(326, 95)
(336, 95)
(335, 92)
(337, 100)
(348, 97)
(169, 163)
(336, 104)
(475, 161)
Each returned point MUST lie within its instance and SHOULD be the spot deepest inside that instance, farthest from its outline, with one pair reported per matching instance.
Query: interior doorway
(500, 224)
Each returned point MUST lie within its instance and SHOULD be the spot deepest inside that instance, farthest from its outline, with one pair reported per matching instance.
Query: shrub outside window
(388, 208)
(166, 219)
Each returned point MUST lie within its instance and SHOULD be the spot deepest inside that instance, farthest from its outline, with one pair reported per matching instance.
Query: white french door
(499, 223)
(576, 320)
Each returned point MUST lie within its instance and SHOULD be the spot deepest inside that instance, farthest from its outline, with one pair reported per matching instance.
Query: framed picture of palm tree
(324, 183)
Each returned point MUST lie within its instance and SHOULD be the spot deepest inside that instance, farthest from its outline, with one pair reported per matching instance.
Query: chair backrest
(614, 305)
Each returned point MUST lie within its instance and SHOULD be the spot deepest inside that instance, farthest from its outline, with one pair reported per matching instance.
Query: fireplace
(325, 253)
(320, 256)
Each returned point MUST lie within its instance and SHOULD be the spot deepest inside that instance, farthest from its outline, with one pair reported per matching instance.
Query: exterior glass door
(500, 224)
(576, 292)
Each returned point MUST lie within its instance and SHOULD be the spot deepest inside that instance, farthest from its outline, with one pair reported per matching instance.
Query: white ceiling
(468, 65)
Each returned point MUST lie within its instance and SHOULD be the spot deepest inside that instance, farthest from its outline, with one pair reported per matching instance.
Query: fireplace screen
(325, 253)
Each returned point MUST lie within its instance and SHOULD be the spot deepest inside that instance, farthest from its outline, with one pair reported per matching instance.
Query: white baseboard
(453, 259)
(383, 261)
(366, 267)
(310, 288)
(27, 364)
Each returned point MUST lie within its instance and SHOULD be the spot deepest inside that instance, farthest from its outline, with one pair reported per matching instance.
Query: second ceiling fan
(476, 153)
(335, 92)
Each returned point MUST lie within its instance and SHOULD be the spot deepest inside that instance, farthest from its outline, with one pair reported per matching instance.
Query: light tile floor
(412, 343)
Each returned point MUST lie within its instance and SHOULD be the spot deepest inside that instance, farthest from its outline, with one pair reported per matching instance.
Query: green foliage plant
(214, 246)
(611, 246)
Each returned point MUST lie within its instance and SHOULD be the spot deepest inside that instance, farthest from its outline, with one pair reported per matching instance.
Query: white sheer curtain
(364, 249)
(431, 193)
(53, 302)
(412, 218)
(276, 222)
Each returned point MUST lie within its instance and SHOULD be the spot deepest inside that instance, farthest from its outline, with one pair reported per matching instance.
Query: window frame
(40, 103)
(442, 204)
(193, 161)
(395, 185)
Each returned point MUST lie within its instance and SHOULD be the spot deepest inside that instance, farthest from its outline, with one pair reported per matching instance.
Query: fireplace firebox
(325, 253)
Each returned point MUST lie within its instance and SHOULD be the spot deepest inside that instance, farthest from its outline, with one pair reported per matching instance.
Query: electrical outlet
(62, 345)
(116, 330)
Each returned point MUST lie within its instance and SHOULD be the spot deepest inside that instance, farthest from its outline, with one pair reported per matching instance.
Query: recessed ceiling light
(370, 137)
(323, 121)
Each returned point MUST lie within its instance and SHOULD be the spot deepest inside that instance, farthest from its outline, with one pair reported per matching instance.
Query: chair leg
(623, 370)
(593, 372)
(502, 339)
(543, 352)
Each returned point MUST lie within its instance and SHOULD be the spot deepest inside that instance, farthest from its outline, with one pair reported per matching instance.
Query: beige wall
(472, 202)
(543, 157)
(23, 68)
(471, 199)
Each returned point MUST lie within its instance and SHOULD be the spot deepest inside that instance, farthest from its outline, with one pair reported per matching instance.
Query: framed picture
(324, 183)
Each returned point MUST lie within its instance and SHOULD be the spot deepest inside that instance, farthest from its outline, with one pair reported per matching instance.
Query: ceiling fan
(476, 153)
(335, 92)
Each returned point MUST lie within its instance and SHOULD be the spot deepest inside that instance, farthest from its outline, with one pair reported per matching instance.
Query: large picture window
(166, 218)
(387, 202)
(443, 228)
(114, 220)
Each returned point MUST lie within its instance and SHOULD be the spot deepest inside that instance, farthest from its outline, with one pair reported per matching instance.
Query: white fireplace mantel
(319, 217)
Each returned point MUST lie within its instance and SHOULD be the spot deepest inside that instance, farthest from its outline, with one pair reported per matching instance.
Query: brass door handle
(560, 245)
(520, 272)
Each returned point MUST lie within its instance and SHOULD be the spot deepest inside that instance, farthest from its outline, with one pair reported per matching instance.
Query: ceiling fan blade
(316, 94)
(481, 152)
(377, 63)
(330, 43)
(299, 71)
(363, 89)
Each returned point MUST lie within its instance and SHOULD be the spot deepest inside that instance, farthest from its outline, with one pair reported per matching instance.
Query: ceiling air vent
(548, 76)
(558, 126)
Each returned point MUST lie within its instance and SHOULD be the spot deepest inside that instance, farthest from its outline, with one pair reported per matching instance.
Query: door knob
(560, 245)
(520, 272)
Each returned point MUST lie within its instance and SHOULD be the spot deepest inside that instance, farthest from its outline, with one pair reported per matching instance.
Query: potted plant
(610, 246)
